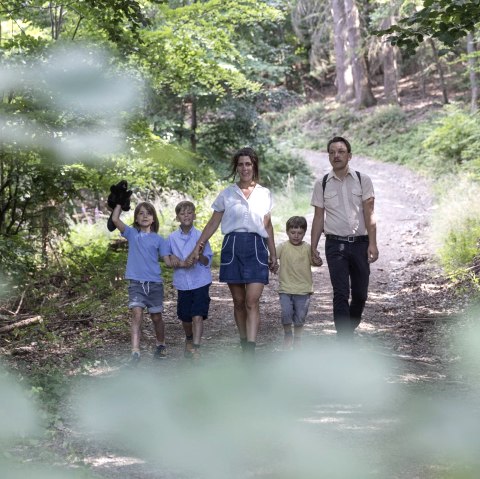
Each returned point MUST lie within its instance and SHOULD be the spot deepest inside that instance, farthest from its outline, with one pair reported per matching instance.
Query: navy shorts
(144, 294)
(193, 302)
(244, 259)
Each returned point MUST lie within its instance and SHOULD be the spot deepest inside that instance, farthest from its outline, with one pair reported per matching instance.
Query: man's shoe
(160, 352)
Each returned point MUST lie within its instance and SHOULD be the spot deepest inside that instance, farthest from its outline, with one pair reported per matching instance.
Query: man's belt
(349, 239)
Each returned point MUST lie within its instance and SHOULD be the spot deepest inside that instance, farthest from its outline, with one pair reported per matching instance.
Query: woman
(248, 250)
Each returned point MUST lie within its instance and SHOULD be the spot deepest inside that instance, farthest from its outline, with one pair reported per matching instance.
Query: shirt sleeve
(163, 247)
(317, 195)
(367, 188)
(219, 203)
(271, 203)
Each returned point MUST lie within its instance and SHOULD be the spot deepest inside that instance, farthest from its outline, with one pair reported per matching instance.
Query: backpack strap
(324, 181)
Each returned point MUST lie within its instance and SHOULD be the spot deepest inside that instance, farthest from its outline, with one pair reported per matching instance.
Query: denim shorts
(193, 302)
(294, 308)
(144, 294)
(244, 259)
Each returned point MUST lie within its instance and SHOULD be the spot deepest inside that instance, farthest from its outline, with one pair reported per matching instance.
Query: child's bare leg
(297, 338)
(187, 327)
(197, 329)
(288, 336)
(159, 327)
(137, 317)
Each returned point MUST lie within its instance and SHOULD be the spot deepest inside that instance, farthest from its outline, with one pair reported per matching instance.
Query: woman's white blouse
(241, 214)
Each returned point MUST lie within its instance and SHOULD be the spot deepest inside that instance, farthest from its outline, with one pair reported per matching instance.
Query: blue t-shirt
(181, 245)
(144, 252)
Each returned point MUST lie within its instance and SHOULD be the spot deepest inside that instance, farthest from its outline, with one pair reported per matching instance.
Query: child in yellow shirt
(295, 278)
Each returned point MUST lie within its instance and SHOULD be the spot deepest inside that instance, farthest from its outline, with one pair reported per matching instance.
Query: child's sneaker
(288, 342)
(196, 355)
(160, 352)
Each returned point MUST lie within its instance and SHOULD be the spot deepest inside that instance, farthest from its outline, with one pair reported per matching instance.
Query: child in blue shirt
(192, 280)
(145, 290)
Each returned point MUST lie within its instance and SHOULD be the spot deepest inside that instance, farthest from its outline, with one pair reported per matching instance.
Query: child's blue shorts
(244, 258)
(193, 302)
(144, 294)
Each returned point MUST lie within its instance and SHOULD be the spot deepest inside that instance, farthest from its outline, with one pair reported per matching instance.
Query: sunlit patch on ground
(113, 461)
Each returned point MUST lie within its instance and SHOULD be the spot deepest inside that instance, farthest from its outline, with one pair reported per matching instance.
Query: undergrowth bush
(456, 223)
(454, 141)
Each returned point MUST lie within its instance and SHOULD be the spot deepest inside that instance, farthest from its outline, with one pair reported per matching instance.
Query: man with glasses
(344, 212)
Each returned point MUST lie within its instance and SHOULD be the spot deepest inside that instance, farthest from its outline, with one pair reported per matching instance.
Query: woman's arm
(272, 260)
(207, 233)
(116, 218)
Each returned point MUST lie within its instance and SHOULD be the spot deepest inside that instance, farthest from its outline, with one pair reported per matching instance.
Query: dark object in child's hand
(119, 195)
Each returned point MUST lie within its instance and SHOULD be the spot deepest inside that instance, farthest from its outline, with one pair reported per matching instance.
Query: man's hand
(316, 259)
(372, 253)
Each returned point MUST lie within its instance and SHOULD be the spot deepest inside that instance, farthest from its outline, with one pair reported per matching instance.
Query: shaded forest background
(161, 93)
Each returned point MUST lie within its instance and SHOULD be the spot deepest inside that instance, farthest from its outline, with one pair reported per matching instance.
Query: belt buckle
(351, 239)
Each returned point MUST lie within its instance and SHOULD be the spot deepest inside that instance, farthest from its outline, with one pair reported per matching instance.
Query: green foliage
(454, 141)
(379, 125)
(192, 49)
(461, 246)
(456, 224)
(281, 168)
(235, 123)
(446, 20)
(18, 258)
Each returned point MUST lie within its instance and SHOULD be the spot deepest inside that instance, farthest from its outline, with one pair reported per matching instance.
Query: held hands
(316, 259)
(273, 264)
(194, 256)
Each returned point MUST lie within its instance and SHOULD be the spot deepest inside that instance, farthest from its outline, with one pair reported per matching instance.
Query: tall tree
(390, 70)
(343, 67)
(363, 90)
(471, 58)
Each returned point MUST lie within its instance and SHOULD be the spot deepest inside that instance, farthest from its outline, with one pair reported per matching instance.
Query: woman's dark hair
(339, 139)
(151, 209)
(247, 151)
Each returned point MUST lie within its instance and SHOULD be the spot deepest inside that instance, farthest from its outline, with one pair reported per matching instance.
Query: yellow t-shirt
(295, 273)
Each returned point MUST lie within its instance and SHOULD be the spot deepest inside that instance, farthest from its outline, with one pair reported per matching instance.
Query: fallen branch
(21, 324)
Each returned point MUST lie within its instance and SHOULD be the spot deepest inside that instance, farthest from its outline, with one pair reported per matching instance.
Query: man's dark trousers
(349, 269)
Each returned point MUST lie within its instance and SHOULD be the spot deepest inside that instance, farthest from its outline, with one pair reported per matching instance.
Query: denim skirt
(244, 259)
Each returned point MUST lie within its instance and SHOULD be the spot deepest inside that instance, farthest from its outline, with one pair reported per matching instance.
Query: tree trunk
(390, 71)
(443, 85)
(344, 80)
(193, 124)
(363, 90)
(473, 75)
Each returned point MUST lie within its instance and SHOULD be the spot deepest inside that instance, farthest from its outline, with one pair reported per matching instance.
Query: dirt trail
(407, 310)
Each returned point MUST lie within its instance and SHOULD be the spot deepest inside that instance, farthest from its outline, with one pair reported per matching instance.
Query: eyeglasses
(340, 152)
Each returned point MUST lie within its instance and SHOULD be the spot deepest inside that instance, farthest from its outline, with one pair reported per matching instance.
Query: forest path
(134, 429)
